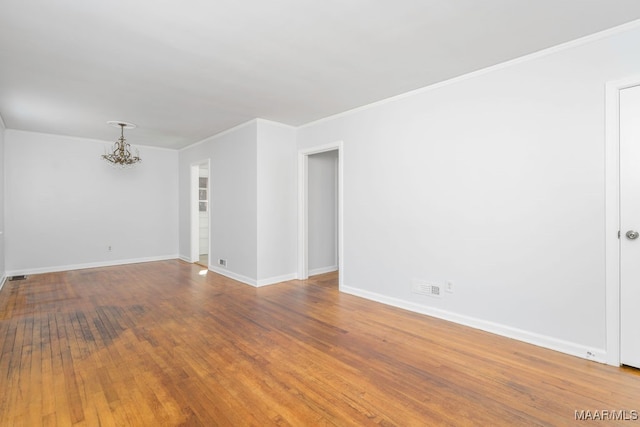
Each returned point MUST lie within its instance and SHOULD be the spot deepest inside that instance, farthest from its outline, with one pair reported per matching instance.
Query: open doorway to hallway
(320, 217)
(322, 190)
(200, 189)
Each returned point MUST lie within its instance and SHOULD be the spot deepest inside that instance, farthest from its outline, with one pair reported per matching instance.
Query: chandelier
(120, 155)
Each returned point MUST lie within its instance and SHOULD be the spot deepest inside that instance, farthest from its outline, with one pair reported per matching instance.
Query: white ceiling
(186, 70)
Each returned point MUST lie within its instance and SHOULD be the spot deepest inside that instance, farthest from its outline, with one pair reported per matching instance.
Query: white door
(630, 226)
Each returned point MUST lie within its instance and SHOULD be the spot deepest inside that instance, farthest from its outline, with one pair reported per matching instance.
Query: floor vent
(12, 278)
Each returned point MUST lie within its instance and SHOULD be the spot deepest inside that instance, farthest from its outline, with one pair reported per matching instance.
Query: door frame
(303, 208)
(612, 215)
(195, 210)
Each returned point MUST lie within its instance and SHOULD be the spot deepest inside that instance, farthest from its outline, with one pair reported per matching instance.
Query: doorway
(320, 248)
(322, 212)
(622, 222)
(200, 207)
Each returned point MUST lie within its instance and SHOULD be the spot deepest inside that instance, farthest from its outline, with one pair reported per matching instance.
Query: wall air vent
(424, 288)
(12, 278)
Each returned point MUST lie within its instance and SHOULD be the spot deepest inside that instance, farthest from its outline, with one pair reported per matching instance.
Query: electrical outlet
(448, 286)
(109, 248)
(222, 262)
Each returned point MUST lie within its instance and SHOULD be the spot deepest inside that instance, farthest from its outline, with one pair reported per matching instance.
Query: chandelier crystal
(120, 155)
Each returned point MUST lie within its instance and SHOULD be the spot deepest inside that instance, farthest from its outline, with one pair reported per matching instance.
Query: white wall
(2, 228)
(65, 206)
(277, 193)
(494, 182)
(322, 174)
(232, 199)
(252, 201)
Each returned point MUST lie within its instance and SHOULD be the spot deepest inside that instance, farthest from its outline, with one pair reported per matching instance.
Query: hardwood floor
(203, 260)
(158, 344)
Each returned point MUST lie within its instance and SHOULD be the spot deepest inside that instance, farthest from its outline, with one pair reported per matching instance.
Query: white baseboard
(323, 270)
(4, 279)
(250, 281)
(234, 276)
(277, 279)
(185, 259)
(574, 349)
(53, 269)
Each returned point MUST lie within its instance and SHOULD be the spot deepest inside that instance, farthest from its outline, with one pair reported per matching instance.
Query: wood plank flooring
(158, 344)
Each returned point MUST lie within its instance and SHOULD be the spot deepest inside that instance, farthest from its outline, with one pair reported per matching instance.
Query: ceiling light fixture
(120, 155)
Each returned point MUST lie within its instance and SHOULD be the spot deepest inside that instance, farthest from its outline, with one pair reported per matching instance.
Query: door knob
(632, 235)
